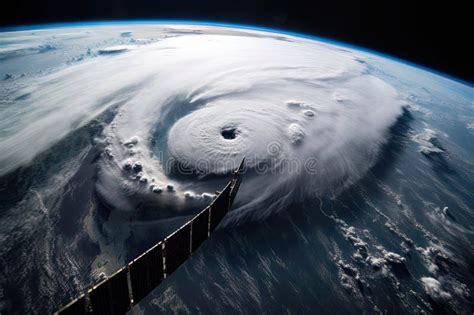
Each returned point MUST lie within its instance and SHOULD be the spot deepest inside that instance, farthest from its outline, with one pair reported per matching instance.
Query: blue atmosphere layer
(230, 25)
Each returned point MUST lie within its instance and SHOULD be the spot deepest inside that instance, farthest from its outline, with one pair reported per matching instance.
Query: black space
(435, 34)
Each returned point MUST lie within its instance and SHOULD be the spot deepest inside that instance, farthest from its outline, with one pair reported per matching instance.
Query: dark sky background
(436, 34)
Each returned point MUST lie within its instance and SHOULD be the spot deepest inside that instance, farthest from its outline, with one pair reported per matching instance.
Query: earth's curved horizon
(358, 191)
(52, 25)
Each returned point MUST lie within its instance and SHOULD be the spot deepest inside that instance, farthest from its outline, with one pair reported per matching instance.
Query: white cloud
(434, 289)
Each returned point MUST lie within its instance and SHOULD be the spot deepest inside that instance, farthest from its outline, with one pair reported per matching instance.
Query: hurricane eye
(229, 133)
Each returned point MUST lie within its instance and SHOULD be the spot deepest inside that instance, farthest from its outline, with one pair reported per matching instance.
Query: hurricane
(306, 113)
(356, 191)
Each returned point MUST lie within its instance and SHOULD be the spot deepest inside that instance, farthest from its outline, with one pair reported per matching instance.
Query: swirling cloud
(309, 117)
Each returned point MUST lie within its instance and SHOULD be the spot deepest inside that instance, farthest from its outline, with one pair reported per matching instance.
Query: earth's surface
(358, 194)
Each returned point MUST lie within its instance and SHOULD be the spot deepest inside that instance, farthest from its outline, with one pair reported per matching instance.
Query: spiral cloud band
(309, 117)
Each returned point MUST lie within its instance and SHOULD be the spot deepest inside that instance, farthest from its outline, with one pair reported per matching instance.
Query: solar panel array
(177, 247)
(200, 228)
(128, 286)
(111, 296)
(146, 272)
(220, 206)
